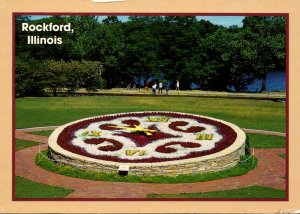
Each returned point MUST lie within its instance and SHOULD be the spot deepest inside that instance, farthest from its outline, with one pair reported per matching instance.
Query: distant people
(134, 86)
(138, 87)
(154, 88)
(177, 85)
(146, 86)
(128, 87)
(167, 88)
(160, 87)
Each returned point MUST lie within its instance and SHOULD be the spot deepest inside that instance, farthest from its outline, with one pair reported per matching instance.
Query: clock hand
(136, 128)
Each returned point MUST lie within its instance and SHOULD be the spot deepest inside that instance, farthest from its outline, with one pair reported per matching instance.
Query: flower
(177, 136)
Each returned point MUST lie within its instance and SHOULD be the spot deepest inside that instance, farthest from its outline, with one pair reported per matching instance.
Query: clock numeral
(91, 133)
(135, 152)
(157, 119)
(204, 136)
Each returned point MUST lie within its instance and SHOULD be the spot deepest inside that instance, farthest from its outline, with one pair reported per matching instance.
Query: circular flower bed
(148, 143)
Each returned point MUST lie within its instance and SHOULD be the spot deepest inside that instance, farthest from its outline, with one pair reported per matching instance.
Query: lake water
(276, 81)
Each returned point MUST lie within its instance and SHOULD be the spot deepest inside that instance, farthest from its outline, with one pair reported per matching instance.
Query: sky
(225, 21)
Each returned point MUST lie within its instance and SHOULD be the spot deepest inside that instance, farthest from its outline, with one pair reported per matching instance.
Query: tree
(111, 51)
(91, 75)
(269, 33)
(85, 39)
(54, 75)
(151, 48)
(28, 80)
(74, 77)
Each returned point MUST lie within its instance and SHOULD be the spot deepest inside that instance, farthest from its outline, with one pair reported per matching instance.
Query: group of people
(161, 86)
(134, 87)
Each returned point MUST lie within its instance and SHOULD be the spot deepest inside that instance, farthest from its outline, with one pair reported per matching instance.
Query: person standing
(154, 89)
(177, 85)
(160, 87)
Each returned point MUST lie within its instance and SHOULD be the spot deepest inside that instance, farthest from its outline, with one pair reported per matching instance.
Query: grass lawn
(247, 192)
(47, 111)
(240, 169)
(42, 133)
(29, 189)
(22, 144)
(265, 141)
(282, 155)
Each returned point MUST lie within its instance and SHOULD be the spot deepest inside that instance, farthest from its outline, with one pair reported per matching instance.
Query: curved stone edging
(224, 159)
(268, 173)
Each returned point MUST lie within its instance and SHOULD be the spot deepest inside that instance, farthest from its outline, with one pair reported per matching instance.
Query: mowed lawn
(50, 111)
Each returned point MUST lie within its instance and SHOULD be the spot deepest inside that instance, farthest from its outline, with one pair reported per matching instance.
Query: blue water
(276, 81)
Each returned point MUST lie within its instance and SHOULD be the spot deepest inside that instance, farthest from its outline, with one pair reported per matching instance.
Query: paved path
(268, 173)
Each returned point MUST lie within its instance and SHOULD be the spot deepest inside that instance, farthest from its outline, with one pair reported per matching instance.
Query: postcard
(146, 106)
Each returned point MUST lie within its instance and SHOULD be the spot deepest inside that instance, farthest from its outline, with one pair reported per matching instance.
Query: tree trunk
(54, 92)
(264, 83)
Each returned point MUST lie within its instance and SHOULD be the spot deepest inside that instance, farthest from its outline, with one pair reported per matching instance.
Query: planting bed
(148, 143)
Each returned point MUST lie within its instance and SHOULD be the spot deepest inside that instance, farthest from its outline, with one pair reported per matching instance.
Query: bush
(28, 80)
(32, 76)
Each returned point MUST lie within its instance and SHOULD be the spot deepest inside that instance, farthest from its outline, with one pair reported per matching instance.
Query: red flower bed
(116, 144)
(194, 129)
(166, 149)
(66, 136)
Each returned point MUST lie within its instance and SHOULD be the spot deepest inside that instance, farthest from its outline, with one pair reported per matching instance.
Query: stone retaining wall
(171, 168)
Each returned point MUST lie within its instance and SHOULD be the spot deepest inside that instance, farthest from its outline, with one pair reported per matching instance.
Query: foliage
(28, 80)
(240, 169)
(54, 75)
(29, 189)
(151, 48)
(91, 75)
(33, 76)
(269, 33)
(246, 192)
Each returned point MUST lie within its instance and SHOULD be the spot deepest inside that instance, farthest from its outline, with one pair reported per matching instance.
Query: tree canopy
(150, 48)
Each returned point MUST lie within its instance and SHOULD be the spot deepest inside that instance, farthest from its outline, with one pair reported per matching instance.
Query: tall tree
(269, 35)
(111, 51)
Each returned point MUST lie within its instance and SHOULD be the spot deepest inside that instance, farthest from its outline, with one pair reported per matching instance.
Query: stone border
(224, 159)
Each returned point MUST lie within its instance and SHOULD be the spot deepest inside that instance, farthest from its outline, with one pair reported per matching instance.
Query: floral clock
(149, 143)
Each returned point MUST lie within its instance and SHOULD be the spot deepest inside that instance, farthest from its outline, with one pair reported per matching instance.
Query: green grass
(22, 144)
(282, 155)
(240, 169)
(50, 111)
(29, 189)
(247, 192)
(265, 141)
(42, 133)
